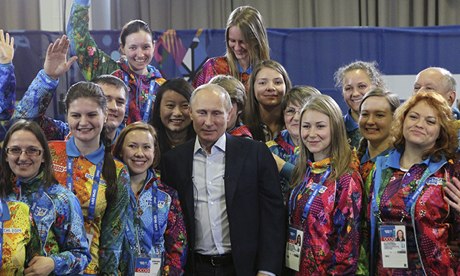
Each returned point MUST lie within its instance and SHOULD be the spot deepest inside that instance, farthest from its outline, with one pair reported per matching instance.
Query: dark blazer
(253, 198)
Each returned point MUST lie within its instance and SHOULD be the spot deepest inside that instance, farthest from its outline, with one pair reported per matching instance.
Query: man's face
(116, 105)
(209, 117)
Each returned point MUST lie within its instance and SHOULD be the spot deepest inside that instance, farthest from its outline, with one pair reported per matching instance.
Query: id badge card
(393, 246)
(293, 248)
(147, 266)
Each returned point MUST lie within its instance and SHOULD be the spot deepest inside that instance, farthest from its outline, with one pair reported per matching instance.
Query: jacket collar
(94, 157)
(392, 161)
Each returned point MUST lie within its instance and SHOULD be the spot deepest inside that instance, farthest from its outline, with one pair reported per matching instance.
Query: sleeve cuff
(6, 65)
(83, 2)
(50, 82)
(56, 268)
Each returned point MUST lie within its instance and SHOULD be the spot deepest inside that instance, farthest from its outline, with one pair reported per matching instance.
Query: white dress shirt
(212, 233)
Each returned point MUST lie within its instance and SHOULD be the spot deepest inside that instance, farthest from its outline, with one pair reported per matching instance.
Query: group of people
(237, 173)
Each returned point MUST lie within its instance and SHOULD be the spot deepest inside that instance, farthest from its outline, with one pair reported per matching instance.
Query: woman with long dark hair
(84, 164)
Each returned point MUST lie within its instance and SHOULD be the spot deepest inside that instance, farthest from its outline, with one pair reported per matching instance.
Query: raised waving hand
(56, 62)
(6, 48)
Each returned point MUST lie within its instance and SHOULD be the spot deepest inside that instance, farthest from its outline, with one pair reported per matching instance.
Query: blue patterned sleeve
(34, 103)
(287, 171)
(8, 91)
(7, 96)
(71, 236)
(37, 97)
(113, 227)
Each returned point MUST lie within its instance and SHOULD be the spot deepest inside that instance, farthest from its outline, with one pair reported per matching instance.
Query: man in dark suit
(230, 194)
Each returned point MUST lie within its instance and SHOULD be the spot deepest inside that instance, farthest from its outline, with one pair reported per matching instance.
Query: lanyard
(95, 186)
(421, 184)
(156, 223)
(1, 232)
(150, 97)
(295, 195)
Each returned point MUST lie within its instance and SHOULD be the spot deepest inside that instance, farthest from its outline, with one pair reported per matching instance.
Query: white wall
(53, 18)
(403, 85)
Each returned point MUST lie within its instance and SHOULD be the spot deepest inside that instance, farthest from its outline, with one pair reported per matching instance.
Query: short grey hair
(449, 79)
(215, 88)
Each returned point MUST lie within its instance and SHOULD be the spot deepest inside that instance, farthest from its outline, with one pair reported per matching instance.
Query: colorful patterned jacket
(34, 103)
(430, 223)
(33, 106)
(170, 243)
(352, 129)
(109, 221)
(240, 130)
(332, 227)
(20, 238)
(7, 96)
(284, 147)
(218, 66)
(57, 214)
(94, 62)
(366, 166)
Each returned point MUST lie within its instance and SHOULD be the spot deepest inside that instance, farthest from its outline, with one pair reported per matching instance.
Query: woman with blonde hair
(285, 146)
(325, 202)
(246, 43)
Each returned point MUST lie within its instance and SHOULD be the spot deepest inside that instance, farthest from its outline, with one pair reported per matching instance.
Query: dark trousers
(206, 266)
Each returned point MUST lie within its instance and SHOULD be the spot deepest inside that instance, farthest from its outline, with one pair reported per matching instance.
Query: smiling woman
(355, 80)
(247, 44)
(285, 146)
(171, 116)
(27, 170)
(267, 86)
(325, 200)
(408, 190)
(86, 167)
(137, 49)
(375, 119)
(154, 232)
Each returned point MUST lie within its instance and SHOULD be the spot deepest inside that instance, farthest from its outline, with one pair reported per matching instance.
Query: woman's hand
(39, 265)
(6, 48)
(452, 190)
(56, 63)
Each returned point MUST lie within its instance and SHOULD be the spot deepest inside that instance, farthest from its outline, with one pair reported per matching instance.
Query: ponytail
(109, 170)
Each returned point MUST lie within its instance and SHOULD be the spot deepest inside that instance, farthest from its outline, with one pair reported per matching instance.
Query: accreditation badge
(393, 246)
(147, 266)
(293, 248)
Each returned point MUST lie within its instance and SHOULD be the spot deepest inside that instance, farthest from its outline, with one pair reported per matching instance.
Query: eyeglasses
(291, 111)
(15, 151)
